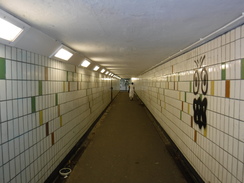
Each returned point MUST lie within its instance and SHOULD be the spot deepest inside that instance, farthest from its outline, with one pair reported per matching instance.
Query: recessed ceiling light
(107, 72)
(96, 68)
(85, 63)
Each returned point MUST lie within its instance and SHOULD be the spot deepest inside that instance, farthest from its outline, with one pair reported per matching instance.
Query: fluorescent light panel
(103, 70)
(11, 28)
(96, 68)
(9, 31)
(63, 54)
(85, 63)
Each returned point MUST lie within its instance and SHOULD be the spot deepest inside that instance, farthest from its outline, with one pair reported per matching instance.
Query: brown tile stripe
(52, 136)
(46, 73)
(191, 121)
(227, 88)
(47, 129)
(195, 136)
(69, 86)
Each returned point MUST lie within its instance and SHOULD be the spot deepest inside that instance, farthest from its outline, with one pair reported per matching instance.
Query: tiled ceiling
(126, 36)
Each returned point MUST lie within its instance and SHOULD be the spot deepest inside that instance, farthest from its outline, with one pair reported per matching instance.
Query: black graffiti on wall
(200, 80)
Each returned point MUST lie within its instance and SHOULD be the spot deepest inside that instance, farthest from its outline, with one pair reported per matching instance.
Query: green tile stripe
(67, 75)
(223, 72)
(2, 68)
(190, 87)
(56, 99)
(242, 68)
(185, 96)
(40, 87)
(33, 104)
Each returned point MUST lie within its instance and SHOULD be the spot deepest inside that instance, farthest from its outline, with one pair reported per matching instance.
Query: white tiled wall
(46, 106)
(217, 151)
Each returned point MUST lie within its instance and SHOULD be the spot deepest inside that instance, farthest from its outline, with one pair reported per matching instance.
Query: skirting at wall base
(187, 170)
(73, 155)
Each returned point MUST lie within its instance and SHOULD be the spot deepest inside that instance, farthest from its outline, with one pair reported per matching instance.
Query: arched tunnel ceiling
(126, 36)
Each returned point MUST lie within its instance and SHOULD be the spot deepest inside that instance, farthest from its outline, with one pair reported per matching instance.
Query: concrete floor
(124, 147)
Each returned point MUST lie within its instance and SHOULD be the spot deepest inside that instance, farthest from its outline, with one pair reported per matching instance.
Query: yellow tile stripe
(205, 132)
(41, 118)
(212, 88)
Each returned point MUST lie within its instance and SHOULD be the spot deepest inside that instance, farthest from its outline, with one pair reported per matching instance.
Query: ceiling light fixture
(106, 72)
(11, 28)
(9, 31)
(103, 70)
(85, 63)
(96, 68)
(63, 53)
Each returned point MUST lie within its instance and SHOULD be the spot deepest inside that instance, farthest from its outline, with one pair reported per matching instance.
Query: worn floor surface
(124, 147)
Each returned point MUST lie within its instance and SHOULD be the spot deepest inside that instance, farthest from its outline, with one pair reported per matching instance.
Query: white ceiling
(126, 36)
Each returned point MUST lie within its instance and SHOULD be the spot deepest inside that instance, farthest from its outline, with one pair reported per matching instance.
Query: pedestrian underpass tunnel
(184, 123)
